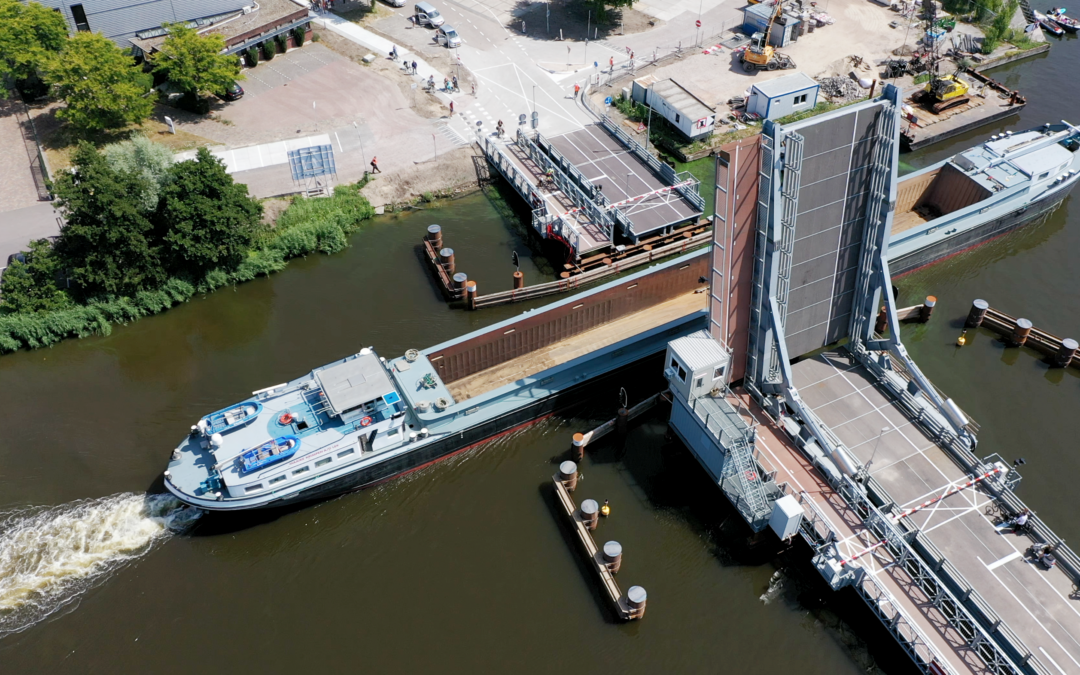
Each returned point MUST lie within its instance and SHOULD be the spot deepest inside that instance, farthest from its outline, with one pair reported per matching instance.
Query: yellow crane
(760, 55)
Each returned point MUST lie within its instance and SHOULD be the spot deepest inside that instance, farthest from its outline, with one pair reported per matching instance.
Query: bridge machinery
(826, 193)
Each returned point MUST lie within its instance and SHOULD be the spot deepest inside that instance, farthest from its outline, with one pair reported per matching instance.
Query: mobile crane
(760, 55)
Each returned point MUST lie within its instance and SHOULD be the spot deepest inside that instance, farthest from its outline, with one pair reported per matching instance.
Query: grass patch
(320, 225)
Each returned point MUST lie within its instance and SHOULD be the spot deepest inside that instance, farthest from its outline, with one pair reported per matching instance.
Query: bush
(282, 43)
(251, 57)
(298, 36)
(193, 103)
(145, 158)
(269, 48)
(314, 37)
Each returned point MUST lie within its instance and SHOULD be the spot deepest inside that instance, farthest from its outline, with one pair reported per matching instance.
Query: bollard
(927, 309)
(607, 262)
(519, 280)
(882, 321)
(1020, 333)
(434, 235)
(590, 513)
(446, 257)
(622, 421)
(613, 556)
(578, 448)
(1066, 353)
(470, 294)
(459, 281)
(568, 474)
(635, 600)
(977, 314)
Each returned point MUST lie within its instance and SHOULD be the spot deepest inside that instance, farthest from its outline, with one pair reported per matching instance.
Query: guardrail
(617, 267)
(517, 179)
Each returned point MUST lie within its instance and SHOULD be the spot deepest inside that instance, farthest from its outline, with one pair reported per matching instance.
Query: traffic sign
(698, 23)
(607, 101)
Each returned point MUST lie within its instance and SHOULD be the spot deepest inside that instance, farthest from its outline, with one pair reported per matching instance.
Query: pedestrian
(451, 108)
(414, 67)
(611, 63)
(628, 51)
(577, 88)
(375, 165)
(446, 84)
(455, 83)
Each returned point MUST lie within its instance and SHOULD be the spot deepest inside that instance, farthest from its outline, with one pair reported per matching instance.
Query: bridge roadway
(591, 235)
(1040, 606)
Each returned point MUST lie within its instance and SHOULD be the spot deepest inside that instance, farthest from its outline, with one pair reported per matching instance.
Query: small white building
(783, 96)
(686, 112)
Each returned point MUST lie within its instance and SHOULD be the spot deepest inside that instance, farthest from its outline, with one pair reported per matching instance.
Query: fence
(38, 166)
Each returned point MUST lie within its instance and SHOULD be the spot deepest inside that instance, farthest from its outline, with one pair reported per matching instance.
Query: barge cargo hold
(982, 193)
(363, 420)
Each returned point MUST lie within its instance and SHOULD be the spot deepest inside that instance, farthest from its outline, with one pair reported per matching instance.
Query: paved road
(19, 227)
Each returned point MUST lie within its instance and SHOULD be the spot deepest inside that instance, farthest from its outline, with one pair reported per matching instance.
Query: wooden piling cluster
(456, 285)
(916, 313)
(606, 561)
(1019, 332)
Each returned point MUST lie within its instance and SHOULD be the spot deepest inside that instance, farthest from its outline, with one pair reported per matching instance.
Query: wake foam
(50, 556)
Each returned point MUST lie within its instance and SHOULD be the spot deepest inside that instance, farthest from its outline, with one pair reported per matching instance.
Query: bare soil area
(453, 171)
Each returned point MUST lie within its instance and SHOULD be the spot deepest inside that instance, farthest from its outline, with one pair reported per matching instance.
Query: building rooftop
(788, 84)
(698, 350)
(680, 98)
(355, 382)
(226, 25)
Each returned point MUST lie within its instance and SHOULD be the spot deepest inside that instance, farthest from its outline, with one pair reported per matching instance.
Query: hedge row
(307, 226)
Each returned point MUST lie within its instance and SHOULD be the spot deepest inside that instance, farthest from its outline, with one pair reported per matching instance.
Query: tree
(30, 35)
(108, 244)
(102, 85)
(204, 219)
(31, 286)
(145, 158)
(194, 63)
(600, 7)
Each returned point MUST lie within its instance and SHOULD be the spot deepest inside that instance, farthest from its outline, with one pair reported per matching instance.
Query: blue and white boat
(982, 193)
(229, 418)
(364, 419)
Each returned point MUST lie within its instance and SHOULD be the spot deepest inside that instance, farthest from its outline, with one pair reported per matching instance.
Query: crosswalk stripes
(451, 135)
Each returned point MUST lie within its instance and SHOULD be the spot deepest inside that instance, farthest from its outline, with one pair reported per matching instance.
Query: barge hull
(974, 237)
(908, 144)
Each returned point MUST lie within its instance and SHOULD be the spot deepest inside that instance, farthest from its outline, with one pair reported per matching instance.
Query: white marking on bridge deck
(1053, 662)
(1001, 561)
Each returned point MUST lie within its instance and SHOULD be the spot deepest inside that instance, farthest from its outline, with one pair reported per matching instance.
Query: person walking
(455, 83)
(451, 108)
(414, 67)
(577, 88)
(611, 64)
(375, 165)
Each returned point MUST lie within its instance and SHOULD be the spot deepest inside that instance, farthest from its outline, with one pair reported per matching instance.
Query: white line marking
(1052, 661)
(1009, 558)
(340, 149)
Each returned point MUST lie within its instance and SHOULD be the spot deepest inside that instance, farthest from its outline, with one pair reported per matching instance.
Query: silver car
(446, 35)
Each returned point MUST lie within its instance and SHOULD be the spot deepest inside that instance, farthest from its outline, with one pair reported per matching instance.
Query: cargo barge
(365, 419)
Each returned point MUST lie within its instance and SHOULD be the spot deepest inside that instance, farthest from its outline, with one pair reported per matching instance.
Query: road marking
(1052, 661)
(1009, 558)
(340, 149)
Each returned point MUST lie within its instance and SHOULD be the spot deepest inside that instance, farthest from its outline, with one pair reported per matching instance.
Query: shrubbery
(35, 314)
(298, 36)
(269, 48)
(251, 57)
(282, 41)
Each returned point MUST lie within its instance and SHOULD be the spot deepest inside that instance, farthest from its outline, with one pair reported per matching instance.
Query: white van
(426, 15)
(446, 35)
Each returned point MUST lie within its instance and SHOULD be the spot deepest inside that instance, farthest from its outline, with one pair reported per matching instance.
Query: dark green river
(461, 567)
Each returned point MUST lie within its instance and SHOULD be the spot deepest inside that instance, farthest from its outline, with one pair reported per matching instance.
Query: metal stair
(740, 463)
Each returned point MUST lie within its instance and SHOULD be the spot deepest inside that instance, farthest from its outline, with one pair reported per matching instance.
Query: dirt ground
(574, 19)
(453, 170)
(422, 104)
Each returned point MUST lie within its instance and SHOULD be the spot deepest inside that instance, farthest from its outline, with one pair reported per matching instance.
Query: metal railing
(505, 166)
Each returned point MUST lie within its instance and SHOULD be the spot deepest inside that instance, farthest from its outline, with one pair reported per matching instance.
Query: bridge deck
(602, 159)
(578, 345)
(592, 236)
(1038, 605)
(775, 451)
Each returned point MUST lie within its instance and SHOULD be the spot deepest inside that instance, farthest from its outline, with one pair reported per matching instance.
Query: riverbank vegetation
(142, 235)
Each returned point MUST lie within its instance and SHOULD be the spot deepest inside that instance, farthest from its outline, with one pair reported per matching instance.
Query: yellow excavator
(944, 92)
(760, 55)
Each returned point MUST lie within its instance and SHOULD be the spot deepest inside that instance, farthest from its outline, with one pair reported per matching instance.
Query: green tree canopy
(600, 7)
(107, 245)
(194, 63)
(31, 286)
(30, 34)
(145, 158)
(204, 219)
(100, 83)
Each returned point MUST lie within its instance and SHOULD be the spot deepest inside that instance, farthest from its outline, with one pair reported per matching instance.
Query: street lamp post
(884, 430)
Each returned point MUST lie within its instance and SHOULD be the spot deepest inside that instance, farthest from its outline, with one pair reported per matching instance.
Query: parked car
(233, 93)
(395, 3)
(446, 35)
(426, 15)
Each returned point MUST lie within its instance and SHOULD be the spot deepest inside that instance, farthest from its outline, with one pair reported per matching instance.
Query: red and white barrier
(948, 493)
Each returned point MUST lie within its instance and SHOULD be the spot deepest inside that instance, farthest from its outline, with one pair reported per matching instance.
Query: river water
(462, 566)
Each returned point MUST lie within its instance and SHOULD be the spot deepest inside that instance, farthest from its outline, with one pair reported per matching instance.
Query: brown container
(635, 600)
(1020, 333)
(434, 235)
(590, 513)
(622, 421)
(470, 294)
(927, 309)
(977, 314)
(519, 280)
(578, 447)
(446, 257)
(613, 556)
(1066, 353)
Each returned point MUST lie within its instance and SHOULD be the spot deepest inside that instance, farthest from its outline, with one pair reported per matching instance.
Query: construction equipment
(941, 91)
(760, 55)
